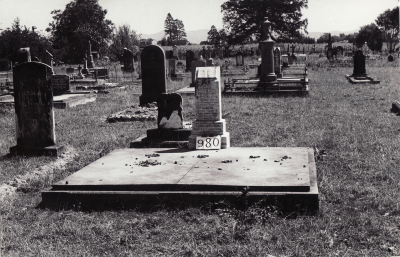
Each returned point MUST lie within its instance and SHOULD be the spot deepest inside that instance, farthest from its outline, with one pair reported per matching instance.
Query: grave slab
(61, 101)
(265, 172)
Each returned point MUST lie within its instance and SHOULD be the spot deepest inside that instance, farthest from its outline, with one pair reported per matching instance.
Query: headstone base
(362, 80)
(54, 150)
(168, 134)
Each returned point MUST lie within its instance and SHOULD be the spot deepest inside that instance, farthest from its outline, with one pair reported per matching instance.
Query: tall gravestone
(189, 60)
(277, 62)
(359, 64)
(267, 59)
(153, 74)
(128, 60)
(90, 62)
(209, 62)
(198, 63)
(220, 54)
(209, 122)
(33, 98)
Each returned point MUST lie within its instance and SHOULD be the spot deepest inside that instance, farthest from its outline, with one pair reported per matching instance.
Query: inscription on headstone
(153, 74)
(60, 84)
(209, 120)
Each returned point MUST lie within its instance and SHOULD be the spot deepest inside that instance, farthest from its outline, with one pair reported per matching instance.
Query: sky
(148, 16)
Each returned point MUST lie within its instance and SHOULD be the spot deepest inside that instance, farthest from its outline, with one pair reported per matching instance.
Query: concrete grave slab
(266, 172)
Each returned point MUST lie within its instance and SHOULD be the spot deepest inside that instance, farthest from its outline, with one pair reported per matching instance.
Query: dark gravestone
(47, 58)
(239, 59)
(220, 54)
(390, 58)
(90, 62)
(70, 70)
(128, 60)
(60, 84)
(198, 63)
(170, 111)
(102, 73)
(33, 98)
(359, 64)
(153, 74)
(169, 54)
(204, 52)
(258, 52)
(189, 59)
(23, 55)
(340, 50)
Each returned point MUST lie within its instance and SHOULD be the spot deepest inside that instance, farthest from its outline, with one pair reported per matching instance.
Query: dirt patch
(147, 112)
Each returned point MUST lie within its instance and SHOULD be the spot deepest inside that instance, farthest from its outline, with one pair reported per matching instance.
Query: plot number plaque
(207, 143)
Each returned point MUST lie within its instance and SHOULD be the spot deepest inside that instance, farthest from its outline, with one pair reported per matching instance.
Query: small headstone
(329, 53)
(189, 60)
(204, 52)
(239, 59)
(153, 74)
(170, 111)
(210, 62)
(172, 68)
(60, 84)
(359, 64)
(33, 98)
(102, 73)
(70, 70)
(390, 58)
(128, 60)
(198, 63)
(209, 122)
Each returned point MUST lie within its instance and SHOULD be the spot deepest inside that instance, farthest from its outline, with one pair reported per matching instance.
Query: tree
(169, 27)
(81, 21)
(372, 35)
(14, 38)
(243, 19)
(388, 22)
(123, 37)
(213, 36)
(323, 38)
(175, 30)
(179, 32)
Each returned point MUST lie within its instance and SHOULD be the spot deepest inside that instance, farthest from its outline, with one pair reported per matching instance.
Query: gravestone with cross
(209, 124)
(153, 74)
(33, 99)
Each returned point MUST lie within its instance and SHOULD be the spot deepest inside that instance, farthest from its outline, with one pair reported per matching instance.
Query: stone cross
(153, 74)
(209, 120)
(33, 98)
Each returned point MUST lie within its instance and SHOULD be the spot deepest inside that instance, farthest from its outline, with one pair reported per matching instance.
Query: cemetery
(253, 149)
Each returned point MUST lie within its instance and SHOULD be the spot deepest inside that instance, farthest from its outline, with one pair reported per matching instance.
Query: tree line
(85, 20)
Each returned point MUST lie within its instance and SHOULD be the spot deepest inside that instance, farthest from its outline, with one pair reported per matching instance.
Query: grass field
(359, 180)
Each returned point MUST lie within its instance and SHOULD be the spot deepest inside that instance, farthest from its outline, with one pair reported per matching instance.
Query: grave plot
(210, 170)
(359, 75)
(271, 79)
(147, 112)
